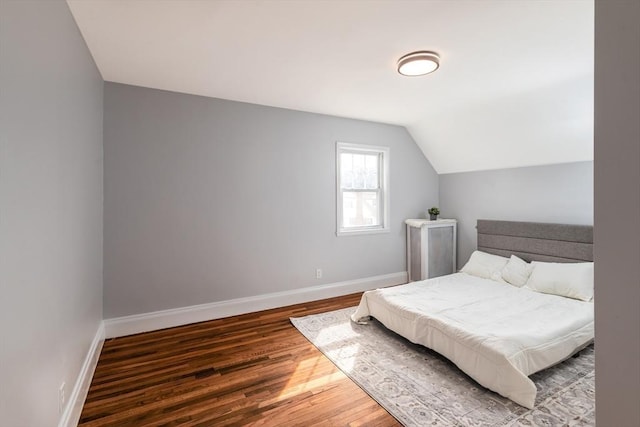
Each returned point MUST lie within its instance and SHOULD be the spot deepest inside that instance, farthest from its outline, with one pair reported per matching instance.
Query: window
(362, 190)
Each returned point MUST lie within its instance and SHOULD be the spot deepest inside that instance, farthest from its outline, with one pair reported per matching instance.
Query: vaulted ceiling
(514, 88)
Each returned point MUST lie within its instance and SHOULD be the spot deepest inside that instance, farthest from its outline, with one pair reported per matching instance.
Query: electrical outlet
(318, 273)
(62, 397)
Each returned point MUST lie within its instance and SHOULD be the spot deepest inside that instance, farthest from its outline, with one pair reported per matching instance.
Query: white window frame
(383, 191)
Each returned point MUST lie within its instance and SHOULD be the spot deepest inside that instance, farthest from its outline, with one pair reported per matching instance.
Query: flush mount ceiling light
(418, 63)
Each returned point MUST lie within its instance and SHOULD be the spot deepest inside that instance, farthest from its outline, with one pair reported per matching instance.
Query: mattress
(496, 333)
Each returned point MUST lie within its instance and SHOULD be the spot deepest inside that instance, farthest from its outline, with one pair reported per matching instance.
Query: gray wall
(560, 193)
(208, 200)
(617, 212)
(50, 208)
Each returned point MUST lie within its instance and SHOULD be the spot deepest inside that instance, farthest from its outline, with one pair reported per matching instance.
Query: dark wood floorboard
(254, 369)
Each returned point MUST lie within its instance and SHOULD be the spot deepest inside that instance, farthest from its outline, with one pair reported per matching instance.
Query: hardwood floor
(255, 369)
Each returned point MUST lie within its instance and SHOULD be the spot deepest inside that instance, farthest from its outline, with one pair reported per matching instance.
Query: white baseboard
(73, 410)
(128, 325)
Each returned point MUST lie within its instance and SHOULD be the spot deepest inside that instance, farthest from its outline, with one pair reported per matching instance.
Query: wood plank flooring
(255, 369)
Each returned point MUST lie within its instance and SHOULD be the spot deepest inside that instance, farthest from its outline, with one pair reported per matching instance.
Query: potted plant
(433, 213)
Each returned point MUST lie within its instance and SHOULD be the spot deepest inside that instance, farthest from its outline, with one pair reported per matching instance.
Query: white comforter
(498, 334)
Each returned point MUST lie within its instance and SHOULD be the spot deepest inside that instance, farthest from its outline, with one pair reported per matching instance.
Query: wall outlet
(318, 273)
(62, 397)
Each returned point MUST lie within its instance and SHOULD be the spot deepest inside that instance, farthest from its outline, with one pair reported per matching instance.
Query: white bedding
(497, 333)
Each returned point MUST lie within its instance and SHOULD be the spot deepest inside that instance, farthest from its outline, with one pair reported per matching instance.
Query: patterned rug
(419, 387)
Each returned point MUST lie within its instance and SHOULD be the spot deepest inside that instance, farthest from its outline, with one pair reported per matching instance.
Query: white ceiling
(514, 88)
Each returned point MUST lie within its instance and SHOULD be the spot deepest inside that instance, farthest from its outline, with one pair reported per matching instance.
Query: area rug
(421, 388)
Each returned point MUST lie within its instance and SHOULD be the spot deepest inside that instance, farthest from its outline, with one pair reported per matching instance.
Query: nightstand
(431, 248)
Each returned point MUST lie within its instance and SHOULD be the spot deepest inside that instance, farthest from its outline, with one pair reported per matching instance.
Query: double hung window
(362, 188)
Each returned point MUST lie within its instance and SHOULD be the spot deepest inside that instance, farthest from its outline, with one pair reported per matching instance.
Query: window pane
(359, 171)
(360, 209)
(346, 170)
(371, 172)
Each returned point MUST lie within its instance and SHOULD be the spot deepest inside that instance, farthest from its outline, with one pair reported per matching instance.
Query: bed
(497, 333)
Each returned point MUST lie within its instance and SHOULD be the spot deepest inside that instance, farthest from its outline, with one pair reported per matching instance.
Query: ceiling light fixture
(418, 63)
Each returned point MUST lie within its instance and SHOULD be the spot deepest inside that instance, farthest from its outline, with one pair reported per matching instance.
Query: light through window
(362, 188)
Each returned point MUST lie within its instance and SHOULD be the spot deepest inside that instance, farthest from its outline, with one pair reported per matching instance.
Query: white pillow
(487, 266)
(573, 280)
(517, 271)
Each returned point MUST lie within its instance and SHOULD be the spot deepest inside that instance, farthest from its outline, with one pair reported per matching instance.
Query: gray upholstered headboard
(536, 241)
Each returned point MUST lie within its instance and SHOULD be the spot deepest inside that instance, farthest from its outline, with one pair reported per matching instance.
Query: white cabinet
(431, 248)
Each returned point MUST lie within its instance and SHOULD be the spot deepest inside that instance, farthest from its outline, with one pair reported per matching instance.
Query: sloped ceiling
(515, 85)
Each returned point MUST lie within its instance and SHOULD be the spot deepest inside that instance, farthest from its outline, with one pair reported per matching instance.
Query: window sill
(362, 231)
